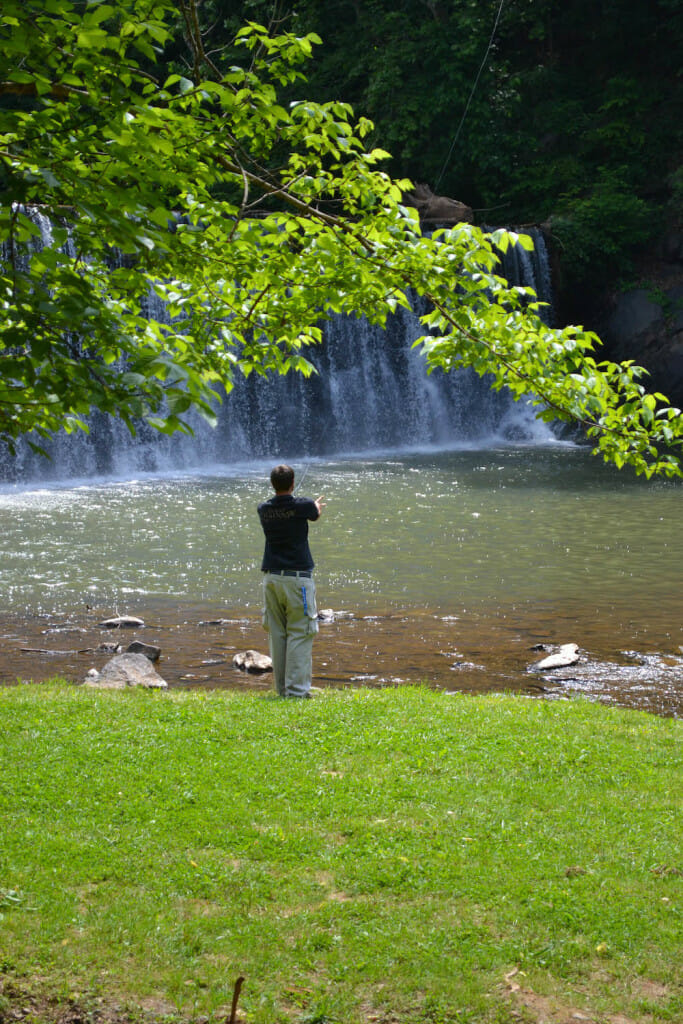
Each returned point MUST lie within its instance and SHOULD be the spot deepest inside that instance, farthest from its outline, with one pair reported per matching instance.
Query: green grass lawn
(398, 855)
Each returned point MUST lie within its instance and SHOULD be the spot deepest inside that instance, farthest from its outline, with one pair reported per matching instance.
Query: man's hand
(319, 503)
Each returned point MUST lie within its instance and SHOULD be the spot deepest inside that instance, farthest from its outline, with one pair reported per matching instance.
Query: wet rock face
(647, 327)
(645, 323)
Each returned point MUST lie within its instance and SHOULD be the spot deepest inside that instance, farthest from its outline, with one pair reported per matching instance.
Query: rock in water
(252, 661)
(127, 670)
(567, 655)
(150, 651)
(122, 622)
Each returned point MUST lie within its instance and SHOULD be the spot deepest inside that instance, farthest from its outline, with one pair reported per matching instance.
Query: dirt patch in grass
(23, 1003)
(651, 990)
(531, 1007)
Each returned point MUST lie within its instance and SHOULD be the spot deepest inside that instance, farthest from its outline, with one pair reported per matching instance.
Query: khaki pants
(291, 621)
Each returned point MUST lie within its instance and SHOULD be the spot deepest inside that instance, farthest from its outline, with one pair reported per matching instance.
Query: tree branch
(56, 91)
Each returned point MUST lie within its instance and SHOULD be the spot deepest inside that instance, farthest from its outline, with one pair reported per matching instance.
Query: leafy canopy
(194, 226)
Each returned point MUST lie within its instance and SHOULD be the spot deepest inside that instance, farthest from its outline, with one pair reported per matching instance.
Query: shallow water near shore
(442, 567)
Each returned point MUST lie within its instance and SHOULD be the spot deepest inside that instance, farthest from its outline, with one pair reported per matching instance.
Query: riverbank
(478, 651)
(365, 856)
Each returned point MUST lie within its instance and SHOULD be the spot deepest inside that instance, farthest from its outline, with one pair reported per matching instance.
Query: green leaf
(93, 38)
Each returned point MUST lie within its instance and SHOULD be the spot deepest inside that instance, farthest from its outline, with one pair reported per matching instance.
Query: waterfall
(531, 269)
(371, 393)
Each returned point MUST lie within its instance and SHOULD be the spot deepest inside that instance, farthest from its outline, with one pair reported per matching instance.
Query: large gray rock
(126, 670)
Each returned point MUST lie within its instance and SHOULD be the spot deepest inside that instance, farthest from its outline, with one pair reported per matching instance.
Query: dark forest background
(566, 114)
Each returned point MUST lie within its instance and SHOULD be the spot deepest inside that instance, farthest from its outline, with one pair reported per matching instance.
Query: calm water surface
(476, 555)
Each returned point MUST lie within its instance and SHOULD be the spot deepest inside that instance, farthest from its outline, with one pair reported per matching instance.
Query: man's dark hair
(282, 478)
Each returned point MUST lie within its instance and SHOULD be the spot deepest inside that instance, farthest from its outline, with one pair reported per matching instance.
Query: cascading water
(371, 392)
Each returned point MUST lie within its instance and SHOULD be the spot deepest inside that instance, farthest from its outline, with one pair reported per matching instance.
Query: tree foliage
(250, 219)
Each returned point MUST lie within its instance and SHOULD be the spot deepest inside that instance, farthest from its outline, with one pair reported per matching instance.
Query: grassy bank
(391, 856)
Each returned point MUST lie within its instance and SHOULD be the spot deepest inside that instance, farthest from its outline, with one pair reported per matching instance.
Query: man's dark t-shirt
(285, 523)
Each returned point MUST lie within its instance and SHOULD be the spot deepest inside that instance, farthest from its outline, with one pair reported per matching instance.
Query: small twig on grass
(235, 997)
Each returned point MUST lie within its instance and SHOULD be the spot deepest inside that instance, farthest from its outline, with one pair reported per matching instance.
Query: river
(442, 567)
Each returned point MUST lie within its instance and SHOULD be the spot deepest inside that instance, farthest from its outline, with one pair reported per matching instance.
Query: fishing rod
(303, 476)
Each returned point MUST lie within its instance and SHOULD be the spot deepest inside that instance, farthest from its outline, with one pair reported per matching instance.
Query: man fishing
(290, 614)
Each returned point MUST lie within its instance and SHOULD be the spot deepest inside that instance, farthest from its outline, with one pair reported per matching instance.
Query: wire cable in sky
(472, 92)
